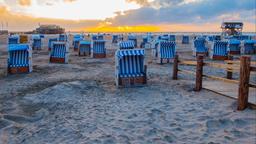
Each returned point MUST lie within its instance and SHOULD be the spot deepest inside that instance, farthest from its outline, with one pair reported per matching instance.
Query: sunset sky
(127, 15)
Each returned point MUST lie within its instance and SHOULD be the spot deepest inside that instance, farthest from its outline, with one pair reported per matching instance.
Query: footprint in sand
(215, 125)
(4, 123)
(25, 119)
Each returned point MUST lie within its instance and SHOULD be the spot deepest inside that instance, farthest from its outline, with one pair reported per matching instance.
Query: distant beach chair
(144, 41)
(172, 38)
(185, 39)
(41, 36)
(23, 39)
(76, 40)
(13, 39)
(199, 47)
(59, 52)
(249, 47)
(219, 50)
(126, 45)
(130, 67)
(100, 37)
(36, 42)
(50, 43)
(134, 39)
(165, 50)
(19, 58)
(63, 38)
(234, 47)
(94, 37)
(115, 39)
(99, 49)
(84, 48)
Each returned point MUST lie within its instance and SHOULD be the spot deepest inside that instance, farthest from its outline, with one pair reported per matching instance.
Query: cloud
(185, 11)
(25, 2)
(19, 22)
(140, 2)
(69, 1)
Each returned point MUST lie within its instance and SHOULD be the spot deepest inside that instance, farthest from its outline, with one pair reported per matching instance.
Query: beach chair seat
(127, 45)
(249, 47)
(185, 39)
(76, 41)
(59, 52)
(19, 58)
(99, 49)
(130, 67)
(199, 47)
(234, 47)
(84, 48)
(50, 43)
(219, 50)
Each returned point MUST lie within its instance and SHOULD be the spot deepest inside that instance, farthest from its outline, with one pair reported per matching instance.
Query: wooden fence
(243, 67)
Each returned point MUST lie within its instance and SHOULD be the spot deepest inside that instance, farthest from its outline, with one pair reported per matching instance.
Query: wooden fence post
(199, 72)
(175, 67)
(243, 89)
(229, 73)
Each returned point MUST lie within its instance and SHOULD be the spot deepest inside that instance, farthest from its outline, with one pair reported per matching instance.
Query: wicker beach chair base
(132, 81)
(96, 55)
(202, 53)
(216, 57)
(57, 60)
(234, 52)
(18, 70)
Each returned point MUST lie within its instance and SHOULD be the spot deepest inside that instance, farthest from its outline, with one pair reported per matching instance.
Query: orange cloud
(145, 28)
(69, 1)
(25, 2)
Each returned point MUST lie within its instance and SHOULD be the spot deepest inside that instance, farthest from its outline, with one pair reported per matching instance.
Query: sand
(79, 103)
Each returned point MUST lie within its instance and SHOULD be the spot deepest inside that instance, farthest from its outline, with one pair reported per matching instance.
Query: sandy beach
(79, 103)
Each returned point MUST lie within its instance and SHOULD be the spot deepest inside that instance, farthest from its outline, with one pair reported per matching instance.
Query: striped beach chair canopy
(126, 45)
(220, 48)
(172, 38)
(130, 62)
(185, 39)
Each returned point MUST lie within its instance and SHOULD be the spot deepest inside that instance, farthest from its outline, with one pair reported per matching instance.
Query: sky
(127, 15)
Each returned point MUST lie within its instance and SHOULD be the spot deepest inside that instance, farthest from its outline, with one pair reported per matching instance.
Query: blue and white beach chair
(234, 46)
(59, 52)
(115, 39)
(100, 37)
(126, 45)
(19, 58)
(84, 48)
(130, 67)
(99, 49)
(165, 50)
(219, 50)
(249, 47)
(50, 42)
(199, 47)
(36, 42)
(13, 39)
(185, 39)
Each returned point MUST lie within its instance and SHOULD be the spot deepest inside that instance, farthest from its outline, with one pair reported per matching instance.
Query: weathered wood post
(229, 73)
(199, 72)
(175, 67)
(244, 79)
